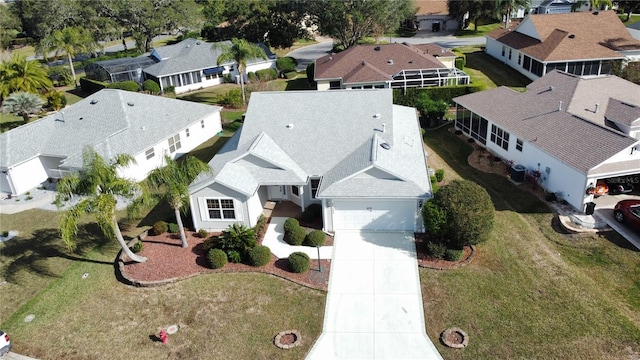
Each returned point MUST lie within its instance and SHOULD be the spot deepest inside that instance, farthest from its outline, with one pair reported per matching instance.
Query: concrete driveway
(374, 306)
(604, 208)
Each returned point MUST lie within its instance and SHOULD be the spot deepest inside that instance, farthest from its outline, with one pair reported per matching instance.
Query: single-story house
(570, 131)
(558, 6)
(351, 151)
(117, 70)
(433, 15)
(192, 64)
(580, 43)
(397, 66)
(112, 122)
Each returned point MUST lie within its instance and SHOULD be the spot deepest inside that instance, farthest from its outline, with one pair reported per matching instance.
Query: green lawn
(533, 291)
(634, 19)
(490, 72)
(482, 30)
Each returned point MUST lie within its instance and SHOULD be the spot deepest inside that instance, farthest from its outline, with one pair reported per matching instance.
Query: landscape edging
(456, 265)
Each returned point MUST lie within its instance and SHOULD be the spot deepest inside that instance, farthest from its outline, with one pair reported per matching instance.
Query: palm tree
(506, 7)
(240, 51)
(99, 184)
(238, 237)
(171, 182)
(70, 40)
(20, 74)
(22, 103)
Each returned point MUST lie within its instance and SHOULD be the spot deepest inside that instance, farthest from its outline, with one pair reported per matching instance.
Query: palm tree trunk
(125, 248)
(241, 72)
(73, 71)
(183, 236)
(25, 117)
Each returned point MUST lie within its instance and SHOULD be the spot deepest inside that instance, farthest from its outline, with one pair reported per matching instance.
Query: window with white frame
(186, 132)
(500, 137)
(295, 191)
(314, 187)
(174, 143)
(150, 153)
(519, 144)
(221, 209)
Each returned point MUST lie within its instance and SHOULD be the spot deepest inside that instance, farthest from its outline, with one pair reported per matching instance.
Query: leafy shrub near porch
(217, 258)
(202, 233)
(299, 262)
(173, 228)
(440, 175)
(151, 86)
(297, 236)
(315, 238)
(160, 227)
(234, 256)
(260, 255)
(290, 224)
(239, 238)
(312, 212)
(210, 243)
(453, 254)
(137, 246)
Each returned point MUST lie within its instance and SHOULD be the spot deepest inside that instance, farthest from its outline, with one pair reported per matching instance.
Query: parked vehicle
(5, 343)
(628, 212)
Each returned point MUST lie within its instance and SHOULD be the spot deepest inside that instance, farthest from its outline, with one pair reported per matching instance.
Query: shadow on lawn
(32, 254)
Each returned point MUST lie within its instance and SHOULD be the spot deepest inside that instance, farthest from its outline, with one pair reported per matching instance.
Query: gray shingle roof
(534, 115)
(329, 134)
(622, 112)
(191, 55)
(112, 121)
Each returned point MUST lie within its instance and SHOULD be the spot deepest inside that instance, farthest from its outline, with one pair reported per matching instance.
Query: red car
(628, 211)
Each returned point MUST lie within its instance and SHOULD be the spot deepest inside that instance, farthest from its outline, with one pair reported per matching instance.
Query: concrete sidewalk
(374, 308)
(274, 239)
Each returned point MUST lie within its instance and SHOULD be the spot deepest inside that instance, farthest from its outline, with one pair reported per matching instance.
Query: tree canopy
(23, 104)
(20, 74)
(240, 51)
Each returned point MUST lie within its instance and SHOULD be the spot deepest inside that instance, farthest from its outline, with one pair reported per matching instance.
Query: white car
(5, 343)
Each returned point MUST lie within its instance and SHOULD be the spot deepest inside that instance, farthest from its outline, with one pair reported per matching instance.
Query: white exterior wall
(26, 176)
(199, 85)
(266, 64)
(526, 27)
(448, 61)
(254, 209)
(217, 191)
(323, 85)
(197, 135)
(494, 48)
(5, 186)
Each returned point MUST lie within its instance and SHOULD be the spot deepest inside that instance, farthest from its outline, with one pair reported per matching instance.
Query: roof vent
(551, 88)
(595, 13)
(83, 118)
(410, 61)
(93, 102)
(442, 51)
(376, 116)
(390, 61)
(377, 48)
(364, 63)
(290, 126)
(572, 36)
(385, 146)
(197, 42)
(130, 103)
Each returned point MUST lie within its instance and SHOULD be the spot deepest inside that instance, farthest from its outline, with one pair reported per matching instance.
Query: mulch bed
(167, 259)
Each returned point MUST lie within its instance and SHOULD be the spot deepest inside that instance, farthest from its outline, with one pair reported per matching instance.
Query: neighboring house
(353, 152)
(572, 131)
(192, 64)
(388, 66)
(433, 15)
(117, 70)
(580, 43)
(112, 122)
(557, 6)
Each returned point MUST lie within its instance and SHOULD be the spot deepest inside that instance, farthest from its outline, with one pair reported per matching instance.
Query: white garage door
(374, 215)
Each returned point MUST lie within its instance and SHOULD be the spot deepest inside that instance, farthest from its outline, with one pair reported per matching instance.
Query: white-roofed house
(352, 151)
(112, 122)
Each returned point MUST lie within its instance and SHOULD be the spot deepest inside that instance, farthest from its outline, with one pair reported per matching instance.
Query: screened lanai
(429, 77)
(117, 70)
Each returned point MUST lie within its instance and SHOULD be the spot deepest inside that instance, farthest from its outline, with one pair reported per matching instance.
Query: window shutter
(202, 205)
(237, 205)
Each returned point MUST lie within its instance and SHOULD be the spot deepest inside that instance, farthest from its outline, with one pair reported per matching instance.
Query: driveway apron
(374, 306)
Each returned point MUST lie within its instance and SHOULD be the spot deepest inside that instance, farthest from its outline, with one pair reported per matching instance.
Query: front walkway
(274, 239)
(374, 306)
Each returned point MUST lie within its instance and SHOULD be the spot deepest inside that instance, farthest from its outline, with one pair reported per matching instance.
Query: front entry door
(277, 192)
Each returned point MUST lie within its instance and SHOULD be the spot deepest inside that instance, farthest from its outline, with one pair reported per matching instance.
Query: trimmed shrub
(290, 224)
(234, 125)
(433, 179)
(217, 258)
(137, 246)
(311, 72)
(299, 262)
(202, 233)
(128, 85)
(312, 212)
(297, 236)
(437, 250)
(290, 74)
(261, 227)
(440, 175)
(92, 86)
(151, 86)
(172, 228)
(160, 227)
(233, 98)
(286, 64)
(234, 256)
(211, 243)
(60, 74)
(315, 238)
(56, 100)
(452, 254)
(259, 255)
(460, 62)
(252, 77)
(267, 74)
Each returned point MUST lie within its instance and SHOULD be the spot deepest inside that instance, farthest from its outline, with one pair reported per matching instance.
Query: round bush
(172, 228)
(128, 85)
(217, 258)
(151, 86)
(299, 262)
(312, 212)
(286, 64)
(210, 243)
(259, 255)
(290, 224)
(297, 236)
(315, 238)
(137, 247)
(160, 227)
(453, 254)
(436, 250)
(202, 233)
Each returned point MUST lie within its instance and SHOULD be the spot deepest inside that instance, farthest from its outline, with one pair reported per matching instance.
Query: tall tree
(98, 183)
(171, 182)
(20, 74)
(629, 7)
(476, 9)
(23, 104)
(505, 8)
(348, 21)
(10, 26)
(240, 51)
(70, 40)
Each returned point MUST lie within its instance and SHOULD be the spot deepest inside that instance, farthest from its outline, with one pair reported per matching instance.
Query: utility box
(518, 172)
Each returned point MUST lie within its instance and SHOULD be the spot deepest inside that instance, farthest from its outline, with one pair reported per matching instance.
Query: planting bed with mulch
(426, 260)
